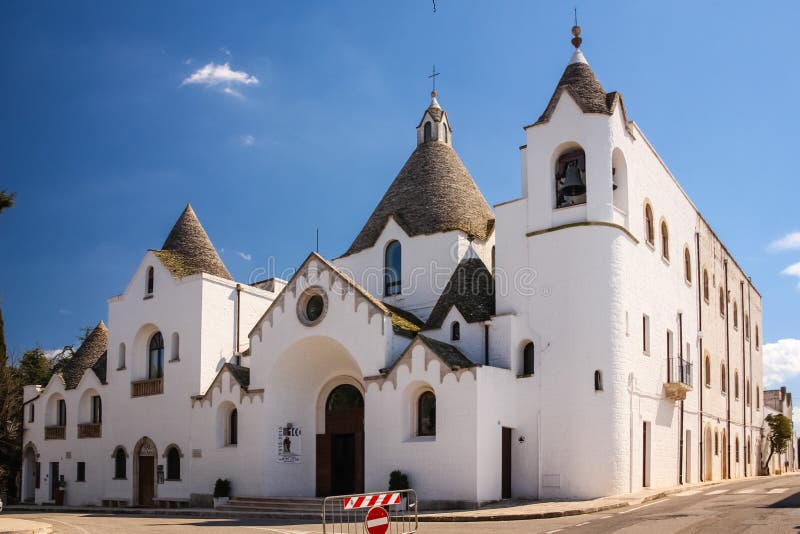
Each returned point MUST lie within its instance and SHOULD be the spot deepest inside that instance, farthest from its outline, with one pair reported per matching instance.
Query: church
(589, 338)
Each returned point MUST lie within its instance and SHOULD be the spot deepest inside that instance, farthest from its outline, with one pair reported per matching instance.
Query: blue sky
(104, 135)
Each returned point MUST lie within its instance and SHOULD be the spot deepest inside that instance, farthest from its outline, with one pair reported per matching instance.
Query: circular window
(311, 306)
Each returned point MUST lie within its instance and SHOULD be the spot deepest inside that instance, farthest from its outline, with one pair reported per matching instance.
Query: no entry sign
(377, 521)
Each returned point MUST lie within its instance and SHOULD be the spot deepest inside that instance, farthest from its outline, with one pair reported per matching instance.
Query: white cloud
(790, 241)
(793, 270)
(781, 361)
(245, 256)
(213, 75)
(796, 416)
(248, 140)
(187, 61)
(64, 311)
(232, 92)
(225, 51)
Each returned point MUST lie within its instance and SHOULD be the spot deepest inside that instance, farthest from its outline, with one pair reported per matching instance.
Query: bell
(573, 186)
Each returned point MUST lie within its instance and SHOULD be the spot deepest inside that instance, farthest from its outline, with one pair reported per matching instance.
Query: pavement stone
(23, 526)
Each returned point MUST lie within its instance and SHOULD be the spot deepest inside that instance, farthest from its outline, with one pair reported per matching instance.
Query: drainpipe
(702, 359)
(238, 310)
(744, 382)
(486, 342)
(728, 367)
(682, 379)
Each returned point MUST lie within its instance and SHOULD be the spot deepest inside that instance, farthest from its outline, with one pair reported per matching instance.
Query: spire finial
(576, 32)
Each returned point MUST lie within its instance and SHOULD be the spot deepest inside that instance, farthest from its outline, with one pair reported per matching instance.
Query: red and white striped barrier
(368, 501)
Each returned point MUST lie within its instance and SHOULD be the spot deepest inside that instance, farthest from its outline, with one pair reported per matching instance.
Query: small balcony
(145, 388)
(55, 432)
(679, 379)
(90, 430)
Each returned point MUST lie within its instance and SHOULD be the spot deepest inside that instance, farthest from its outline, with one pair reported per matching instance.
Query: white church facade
(589, 338)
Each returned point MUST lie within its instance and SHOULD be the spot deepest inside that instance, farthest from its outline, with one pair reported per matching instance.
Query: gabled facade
(589, 338)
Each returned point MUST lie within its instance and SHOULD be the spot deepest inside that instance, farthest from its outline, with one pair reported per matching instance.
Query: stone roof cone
(188, 250)
(433, 193)
(88, 354)
(581, 84)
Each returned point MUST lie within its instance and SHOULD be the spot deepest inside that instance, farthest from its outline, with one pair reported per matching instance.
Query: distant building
(588, 338)
(779, 401)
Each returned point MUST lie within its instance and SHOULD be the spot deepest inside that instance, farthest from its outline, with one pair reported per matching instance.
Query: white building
(588, 338)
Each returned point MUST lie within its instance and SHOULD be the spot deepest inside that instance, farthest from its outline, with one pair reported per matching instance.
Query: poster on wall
(289, 443)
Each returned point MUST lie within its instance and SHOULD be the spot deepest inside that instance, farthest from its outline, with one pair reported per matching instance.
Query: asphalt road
(769, 505)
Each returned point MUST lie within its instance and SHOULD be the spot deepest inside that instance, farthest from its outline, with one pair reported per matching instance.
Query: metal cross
(433, 76)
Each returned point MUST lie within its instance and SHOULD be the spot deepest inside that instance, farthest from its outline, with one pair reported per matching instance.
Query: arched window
(708, 371)
(426, 414)
(649, 226)
(687, 264)
(455, 331)
(758, 397)
(748, 450)
(61, 414)
(716, 443)
(747, 396)
(570, 178)
(97, 410)
(392, 269)
(445, 128)
(527, 360)
(233, 427)
(148, 287)
(175, 350)
(758, 339)
(736, 384)
(427, 135)
(664, 240)
(598, 380)
(120, 463)
(155, 365)
(723, 381)
(722, 301)
(173, 463)
(121, 356)
(736, 448)
(705, 286)
(735, 315)
(746, 326)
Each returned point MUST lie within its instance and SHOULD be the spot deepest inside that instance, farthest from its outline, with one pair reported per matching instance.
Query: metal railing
(55, 432)
(90, 430)
(347, 513)
(680, 371)
(143, 388)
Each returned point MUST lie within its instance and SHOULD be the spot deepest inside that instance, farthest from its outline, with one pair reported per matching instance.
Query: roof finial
(433, 76)
(576, 32)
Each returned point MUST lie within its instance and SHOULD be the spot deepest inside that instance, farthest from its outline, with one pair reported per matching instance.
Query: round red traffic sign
(377, 520)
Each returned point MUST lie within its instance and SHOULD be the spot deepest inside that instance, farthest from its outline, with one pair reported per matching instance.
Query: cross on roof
(433, 76)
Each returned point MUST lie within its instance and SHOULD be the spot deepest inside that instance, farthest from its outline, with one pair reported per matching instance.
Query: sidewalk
(500, 511)
(23, 526)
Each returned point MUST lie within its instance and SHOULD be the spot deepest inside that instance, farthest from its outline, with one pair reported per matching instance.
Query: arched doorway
(707, 455)
(30, 473)
(340, 450)
(724, 455)
(144, 472)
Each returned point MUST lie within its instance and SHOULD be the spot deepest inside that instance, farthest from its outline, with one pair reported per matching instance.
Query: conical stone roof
(188, 250)
(433, 193)
(582, 85)
(92, 349)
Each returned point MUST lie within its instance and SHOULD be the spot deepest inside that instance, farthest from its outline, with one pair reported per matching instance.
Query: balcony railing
(90, 430)
(679, 379)
(143, 388)
(55, 432)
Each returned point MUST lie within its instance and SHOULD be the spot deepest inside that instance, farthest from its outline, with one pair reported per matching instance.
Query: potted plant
(222, 492)
(398, 481)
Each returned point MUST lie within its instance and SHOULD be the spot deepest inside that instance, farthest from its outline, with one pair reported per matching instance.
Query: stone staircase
(275, 507)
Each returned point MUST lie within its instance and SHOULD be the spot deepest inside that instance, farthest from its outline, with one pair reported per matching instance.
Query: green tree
(780, 433)
(35, 368)
(6, 200)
